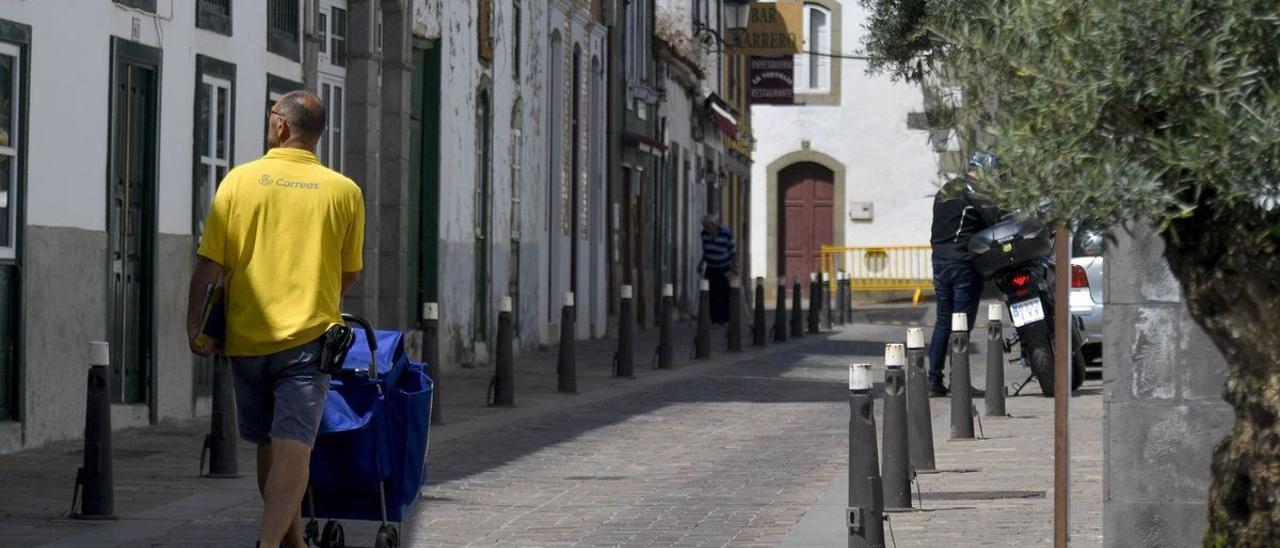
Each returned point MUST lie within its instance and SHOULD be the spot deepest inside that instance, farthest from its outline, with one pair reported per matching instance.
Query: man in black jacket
(957, 215)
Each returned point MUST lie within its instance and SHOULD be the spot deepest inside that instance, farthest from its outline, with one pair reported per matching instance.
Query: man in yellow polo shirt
(286, 235)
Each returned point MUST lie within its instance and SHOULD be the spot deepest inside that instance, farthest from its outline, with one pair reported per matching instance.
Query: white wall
(576, 30)
(66, 201)
(462, 74)
(886, 164)
(70, 73)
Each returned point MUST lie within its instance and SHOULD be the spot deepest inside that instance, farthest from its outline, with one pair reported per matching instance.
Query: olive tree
(1158, 111)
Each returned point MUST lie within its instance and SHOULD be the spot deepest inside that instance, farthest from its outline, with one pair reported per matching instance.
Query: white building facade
(118, 119)
(704, 126)
(841, 166)
(521, 168)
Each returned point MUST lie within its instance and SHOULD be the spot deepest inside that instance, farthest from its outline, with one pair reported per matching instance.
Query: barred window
(214, 15)
(284, 19)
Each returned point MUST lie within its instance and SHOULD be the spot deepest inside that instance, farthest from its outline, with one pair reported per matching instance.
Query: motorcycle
(1015, 254)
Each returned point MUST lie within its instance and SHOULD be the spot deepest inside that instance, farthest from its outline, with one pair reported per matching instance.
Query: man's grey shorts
(281, 395)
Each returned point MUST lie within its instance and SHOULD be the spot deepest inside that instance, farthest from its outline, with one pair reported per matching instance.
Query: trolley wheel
(334, 536)
(311, 533)
(388, 537)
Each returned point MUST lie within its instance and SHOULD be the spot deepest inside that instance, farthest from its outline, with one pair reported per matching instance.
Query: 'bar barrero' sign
(775, 28)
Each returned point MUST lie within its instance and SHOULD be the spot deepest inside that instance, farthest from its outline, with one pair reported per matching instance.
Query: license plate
(1026, 312)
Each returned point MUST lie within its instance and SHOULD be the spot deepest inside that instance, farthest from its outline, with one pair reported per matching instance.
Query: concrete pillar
(363, 144)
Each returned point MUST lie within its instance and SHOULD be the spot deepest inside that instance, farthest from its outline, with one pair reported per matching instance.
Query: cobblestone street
(744, 450)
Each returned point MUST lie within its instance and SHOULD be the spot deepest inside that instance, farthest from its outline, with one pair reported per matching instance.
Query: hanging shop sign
(772, 80)
(775, 28)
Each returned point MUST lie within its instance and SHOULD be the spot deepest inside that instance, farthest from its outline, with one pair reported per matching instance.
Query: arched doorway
(807, 193)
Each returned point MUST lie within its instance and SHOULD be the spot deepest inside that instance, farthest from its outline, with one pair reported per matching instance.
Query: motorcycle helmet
(982, 160)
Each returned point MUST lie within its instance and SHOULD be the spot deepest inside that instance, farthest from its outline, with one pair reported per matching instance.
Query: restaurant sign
(772, 80)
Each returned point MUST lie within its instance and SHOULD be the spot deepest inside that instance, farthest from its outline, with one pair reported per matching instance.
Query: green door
(483, 246)
(131, 219)
(424, 167)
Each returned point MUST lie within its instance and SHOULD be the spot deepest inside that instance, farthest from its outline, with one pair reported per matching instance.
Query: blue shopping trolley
(369, 460)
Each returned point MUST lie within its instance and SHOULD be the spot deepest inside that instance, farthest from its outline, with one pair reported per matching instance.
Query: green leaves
(1112, 110)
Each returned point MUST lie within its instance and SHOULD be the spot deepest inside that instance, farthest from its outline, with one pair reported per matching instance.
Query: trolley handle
(369, 336)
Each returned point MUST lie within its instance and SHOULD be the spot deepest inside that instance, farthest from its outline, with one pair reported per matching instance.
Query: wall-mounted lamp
(737, 17)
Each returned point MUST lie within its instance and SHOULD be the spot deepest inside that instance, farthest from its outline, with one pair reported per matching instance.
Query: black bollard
(220, 442)
(864, 519)
(666, 352)
(702, 342)
(94, 487)
(961, 398)
(897, 458)
(504, 374)
(840, 296)
(758, 335)
(431, 353)
(625, 358)
(815, 303)
(920, 430)
(797, 311)
(734, 331)
(995, 361)
(837, 308)
(848, 304)
(780, 315)
(567, 366)
(845, 302)
(828, 302)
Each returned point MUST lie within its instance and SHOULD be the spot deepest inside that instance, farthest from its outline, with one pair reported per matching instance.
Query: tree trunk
(1227, 263)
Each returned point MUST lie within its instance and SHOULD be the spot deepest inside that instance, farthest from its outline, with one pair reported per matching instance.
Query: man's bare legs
(282, 489)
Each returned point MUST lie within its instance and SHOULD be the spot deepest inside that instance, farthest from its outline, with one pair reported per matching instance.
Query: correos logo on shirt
(297, 184)
(266, 180)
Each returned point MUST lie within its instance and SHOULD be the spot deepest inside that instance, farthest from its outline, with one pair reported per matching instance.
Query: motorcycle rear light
(1021, 285)
(1078, 277)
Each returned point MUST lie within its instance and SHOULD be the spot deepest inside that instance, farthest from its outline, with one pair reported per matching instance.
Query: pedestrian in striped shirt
(719, 262)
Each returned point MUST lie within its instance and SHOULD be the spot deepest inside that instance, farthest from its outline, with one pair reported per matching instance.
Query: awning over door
(722, 115)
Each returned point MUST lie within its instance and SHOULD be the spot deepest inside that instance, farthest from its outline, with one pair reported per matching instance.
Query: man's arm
(983, 206)
(348, 280)
(205, 273)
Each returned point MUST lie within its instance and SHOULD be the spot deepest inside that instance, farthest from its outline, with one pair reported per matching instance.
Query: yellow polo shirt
(284, 228)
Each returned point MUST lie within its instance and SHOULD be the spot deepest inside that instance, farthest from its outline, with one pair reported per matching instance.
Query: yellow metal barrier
(882, 268)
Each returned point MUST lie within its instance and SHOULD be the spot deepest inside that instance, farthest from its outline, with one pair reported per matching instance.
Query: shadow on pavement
(754, 380)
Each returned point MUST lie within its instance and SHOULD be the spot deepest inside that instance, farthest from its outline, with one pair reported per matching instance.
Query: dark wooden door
(484, 209)
(9, 295)
(808, 207)
(132, 222)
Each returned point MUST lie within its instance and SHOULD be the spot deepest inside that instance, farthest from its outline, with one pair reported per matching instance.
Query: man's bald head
(305, 115)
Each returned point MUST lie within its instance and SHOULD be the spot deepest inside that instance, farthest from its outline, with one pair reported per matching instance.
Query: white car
(1088, 289)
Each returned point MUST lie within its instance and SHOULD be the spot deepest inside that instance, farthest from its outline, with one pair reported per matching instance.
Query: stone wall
(1163, 383)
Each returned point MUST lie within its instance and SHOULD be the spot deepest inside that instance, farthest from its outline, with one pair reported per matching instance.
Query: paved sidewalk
(995, 491)
(742, 450)
(161, 501)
